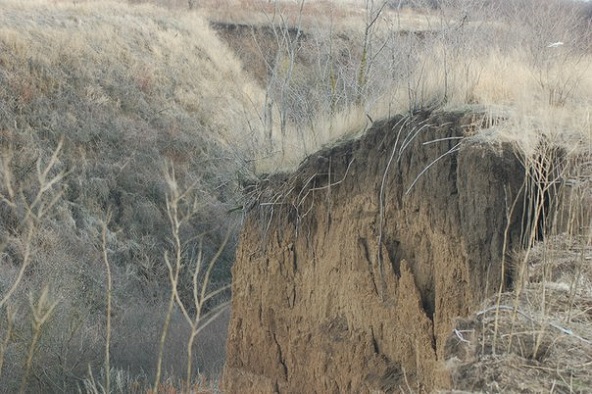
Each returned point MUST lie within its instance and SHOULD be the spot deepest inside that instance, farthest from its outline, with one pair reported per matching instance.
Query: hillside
(108, 113)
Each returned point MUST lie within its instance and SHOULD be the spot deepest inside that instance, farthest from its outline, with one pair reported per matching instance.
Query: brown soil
(351, 271)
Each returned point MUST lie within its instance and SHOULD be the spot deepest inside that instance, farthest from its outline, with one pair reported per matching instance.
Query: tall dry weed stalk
(182, 205)
(109, 291)
(42, 310)
(30, 211)
(7, 336)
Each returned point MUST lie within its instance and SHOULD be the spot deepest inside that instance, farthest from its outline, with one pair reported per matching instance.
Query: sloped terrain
(98, 102)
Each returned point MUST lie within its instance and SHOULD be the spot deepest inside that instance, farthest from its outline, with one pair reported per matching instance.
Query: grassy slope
(126, 89)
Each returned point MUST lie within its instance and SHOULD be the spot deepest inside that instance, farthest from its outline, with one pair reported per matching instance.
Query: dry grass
(312, 14)
(110, 43)
(543, 340)
(120, 90)
(493, 56)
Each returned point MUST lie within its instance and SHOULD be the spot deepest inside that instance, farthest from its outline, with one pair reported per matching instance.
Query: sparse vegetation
(111, 266)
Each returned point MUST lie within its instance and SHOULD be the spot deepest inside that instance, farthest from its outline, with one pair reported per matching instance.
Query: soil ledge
(351, 271)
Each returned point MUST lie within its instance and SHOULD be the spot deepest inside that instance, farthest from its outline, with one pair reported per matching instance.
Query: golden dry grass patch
(161, 50)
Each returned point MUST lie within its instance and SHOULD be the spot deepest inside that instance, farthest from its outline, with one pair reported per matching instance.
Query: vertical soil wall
(350, 271)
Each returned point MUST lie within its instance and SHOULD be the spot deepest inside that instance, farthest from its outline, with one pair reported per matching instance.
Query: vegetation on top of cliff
(527, 66)
(330, 69)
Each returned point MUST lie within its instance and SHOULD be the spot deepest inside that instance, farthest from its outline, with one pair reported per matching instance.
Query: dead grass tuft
(543, 339)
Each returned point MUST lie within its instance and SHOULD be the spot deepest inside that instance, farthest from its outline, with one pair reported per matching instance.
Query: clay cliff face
(350, 271)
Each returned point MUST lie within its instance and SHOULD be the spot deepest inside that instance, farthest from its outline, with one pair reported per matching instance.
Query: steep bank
(350, 271)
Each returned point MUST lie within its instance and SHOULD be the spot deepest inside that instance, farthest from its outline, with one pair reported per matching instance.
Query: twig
(334, 183)
(442, 139)
(508, 308)
(454, 149)
(460, 336)
(108, 311)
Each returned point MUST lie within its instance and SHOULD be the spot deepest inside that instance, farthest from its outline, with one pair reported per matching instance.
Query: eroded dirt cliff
(350, 271)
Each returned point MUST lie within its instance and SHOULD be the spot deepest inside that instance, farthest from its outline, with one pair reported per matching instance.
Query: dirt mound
(350, 271)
